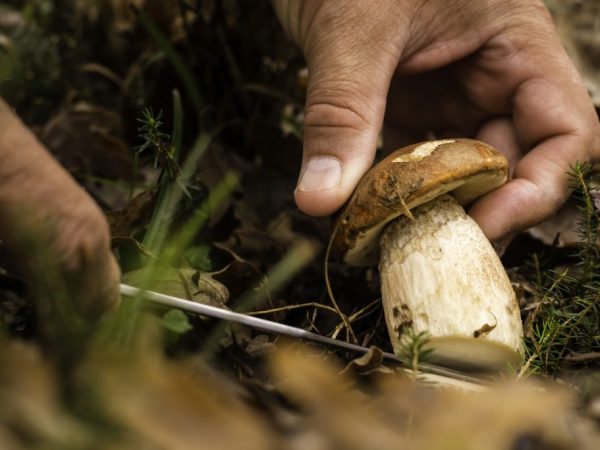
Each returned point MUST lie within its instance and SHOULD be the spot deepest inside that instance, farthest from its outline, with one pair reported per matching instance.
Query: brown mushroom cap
(408, 178)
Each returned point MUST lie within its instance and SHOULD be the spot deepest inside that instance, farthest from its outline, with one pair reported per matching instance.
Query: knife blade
(277, 328)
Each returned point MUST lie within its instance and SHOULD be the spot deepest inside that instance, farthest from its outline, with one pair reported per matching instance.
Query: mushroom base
(440, 274)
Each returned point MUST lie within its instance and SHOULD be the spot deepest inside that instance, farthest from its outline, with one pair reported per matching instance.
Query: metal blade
(281, 329)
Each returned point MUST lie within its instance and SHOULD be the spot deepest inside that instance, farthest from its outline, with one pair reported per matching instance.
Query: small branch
(355, 316)
(349, 331)
(292, 307)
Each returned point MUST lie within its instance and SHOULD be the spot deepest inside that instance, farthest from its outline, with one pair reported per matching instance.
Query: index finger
(555, 124)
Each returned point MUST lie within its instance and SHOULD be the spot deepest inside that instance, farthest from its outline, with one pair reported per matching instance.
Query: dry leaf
(32, 411)
(370, 362)
(137, 212)
(342, 418)
(84, 139)
(175, 410)
(189, 284)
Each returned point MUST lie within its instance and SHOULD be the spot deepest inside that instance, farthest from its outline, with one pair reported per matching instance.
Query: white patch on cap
(422, 151)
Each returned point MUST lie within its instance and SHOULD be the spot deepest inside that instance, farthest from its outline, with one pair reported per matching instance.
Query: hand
(494, 70)
(52, 227)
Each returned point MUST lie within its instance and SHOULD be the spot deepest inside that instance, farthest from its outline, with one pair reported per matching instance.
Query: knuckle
(85, 240)
(339, 106)
(92, 272)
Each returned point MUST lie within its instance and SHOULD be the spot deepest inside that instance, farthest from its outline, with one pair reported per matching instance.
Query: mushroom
(439, 273)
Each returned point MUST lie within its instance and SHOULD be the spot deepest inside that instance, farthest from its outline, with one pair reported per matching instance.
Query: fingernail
(320, 173)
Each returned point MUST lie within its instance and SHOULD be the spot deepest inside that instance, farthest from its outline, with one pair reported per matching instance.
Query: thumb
(344, 112)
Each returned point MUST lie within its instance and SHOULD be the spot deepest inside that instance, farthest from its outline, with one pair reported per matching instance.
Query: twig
(583, 357)
(292, 307)
(355, 316)
(525, 367)
(349, 330)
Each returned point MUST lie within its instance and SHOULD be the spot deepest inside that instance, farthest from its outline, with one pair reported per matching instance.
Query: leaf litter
(185, 382)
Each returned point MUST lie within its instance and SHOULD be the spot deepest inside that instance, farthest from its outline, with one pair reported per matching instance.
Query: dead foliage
(83, 74)
(141, 400)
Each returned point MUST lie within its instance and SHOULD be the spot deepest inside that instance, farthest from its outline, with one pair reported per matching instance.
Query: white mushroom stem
(440, 274)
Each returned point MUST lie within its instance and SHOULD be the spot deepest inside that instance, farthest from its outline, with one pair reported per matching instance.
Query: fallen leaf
(369, 363)
(560, 229)
(32, 408)
(238, 276)
(188, 284)
(84, 138)
(137, 212)
(172, 407)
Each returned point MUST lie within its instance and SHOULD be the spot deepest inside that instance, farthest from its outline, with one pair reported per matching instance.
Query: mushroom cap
(407, 178)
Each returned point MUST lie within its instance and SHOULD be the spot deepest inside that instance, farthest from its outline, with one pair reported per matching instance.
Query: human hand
(493, 70)
(52, 227)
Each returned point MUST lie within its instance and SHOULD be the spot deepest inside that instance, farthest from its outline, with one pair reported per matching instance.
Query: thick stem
(440, 274)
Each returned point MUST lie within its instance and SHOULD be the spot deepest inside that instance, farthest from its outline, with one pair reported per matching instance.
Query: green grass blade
(186, 234)
(299, 256)
(129, 315)
(167, 199)
(177, 134)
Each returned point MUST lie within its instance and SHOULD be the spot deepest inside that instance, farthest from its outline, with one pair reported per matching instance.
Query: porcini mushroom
(439, 273)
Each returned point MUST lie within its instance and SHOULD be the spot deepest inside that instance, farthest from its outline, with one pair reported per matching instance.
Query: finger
(350, 74)
(105, 296)
(554, 118)
(91, 270)
(343, 116)
(58, 235)
(500, 133)
(540, 187)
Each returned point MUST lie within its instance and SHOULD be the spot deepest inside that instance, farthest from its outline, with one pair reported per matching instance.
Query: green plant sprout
(415, 348)
(157, 141)
(565, 321)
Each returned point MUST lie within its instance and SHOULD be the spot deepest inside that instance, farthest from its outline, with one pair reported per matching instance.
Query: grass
(141, 379)
(566, 318)
(182, 69)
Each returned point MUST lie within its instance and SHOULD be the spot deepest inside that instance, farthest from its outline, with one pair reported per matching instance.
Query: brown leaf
(32, 410)
(173, 408)
(341, 417)
(137, 212)
(189, 284)
(505, 417)
(238, 276)
(370, 362)
(259, 345)
(561, 229)
(84, 139)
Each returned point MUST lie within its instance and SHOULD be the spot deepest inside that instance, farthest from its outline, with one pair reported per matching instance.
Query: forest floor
(183, 120)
